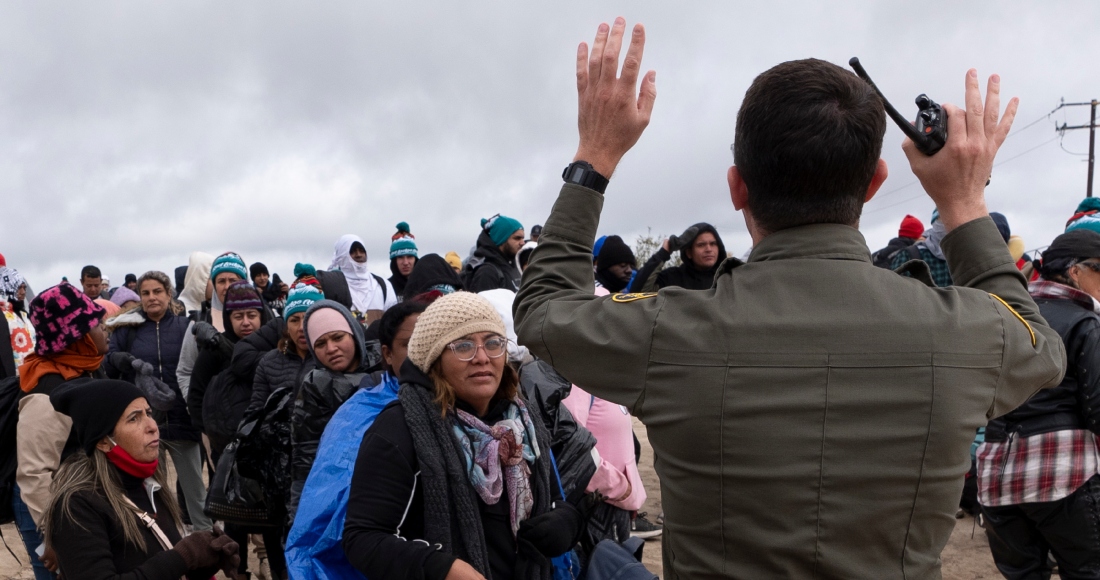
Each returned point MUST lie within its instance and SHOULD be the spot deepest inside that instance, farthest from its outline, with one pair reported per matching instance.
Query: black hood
(705, 228)
(490, 252)
(398, 279)
(335, 287)
(431, 270)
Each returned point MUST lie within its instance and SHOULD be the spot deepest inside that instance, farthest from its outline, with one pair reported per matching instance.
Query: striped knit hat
(302, 295)
(242, 295)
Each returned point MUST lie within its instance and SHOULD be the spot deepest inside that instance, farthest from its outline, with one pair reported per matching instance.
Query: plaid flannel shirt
(1044, 467)
(941, 274)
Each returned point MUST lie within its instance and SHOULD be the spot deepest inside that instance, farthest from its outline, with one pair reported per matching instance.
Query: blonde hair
(445, 392)
(94, 474)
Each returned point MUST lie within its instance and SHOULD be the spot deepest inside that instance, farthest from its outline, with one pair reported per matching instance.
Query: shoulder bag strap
(151, 524)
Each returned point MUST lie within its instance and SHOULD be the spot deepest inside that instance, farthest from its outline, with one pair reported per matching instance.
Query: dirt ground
(966, 556)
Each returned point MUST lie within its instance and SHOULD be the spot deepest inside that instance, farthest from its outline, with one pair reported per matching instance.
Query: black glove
(123, 361)
(206, 336)
(161, 397)
(552, 533)
(675, 243)
(197, 552)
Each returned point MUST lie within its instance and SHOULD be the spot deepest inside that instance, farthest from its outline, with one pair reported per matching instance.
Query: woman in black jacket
(457, 467)
(154, 334)
(1038, 480)
(112, 515)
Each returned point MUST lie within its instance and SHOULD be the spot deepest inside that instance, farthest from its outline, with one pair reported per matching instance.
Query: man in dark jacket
(910, 232)
(403, 258)
(493, 264)
(1038, 469)
(701, 250)
(432, 273)
(615, 265)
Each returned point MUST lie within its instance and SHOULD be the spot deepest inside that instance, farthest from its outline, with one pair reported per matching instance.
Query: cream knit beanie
(448, 319)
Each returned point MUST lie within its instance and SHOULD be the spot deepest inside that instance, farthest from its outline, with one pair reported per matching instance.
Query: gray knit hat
(448, 319)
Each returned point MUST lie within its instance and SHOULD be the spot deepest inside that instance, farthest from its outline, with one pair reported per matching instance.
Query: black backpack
(10, 394)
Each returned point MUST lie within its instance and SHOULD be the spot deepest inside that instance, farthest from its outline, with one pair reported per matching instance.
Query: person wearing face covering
(371, 295)
(15, 323)
(112, 514)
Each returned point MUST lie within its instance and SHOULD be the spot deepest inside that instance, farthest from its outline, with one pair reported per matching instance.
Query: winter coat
(314, 547)
(89, 541)
(321, 394)
(431, 271)
(488, 269)
(686, 275)
(398, 280)
(279, 368)
(1075, 402)
(159, 344)
(221, 386)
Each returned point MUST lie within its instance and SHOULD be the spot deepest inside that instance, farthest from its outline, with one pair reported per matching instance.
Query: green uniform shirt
(811, 414)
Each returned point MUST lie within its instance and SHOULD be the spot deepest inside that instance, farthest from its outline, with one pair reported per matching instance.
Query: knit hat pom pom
(301, 269)
(403, 227)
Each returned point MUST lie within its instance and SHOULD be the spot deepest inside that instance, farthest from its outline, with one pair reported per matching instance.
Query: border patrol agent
(811, 414)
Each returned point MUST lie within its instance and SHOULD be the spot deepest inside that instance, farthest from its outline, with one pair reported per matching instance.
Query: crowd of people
(812, 414)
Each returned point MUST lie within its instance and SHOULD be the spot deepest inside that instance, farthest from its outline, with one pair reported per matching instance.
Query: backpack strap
(914, 252)
(381, 282)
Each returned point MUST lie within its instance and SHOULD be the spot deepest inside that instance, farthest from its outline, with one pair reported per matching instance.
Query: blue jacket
(314, 549)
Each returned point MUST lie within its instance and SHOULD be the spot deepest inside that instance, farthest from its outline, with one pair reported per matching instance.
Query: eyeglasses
(466, 350)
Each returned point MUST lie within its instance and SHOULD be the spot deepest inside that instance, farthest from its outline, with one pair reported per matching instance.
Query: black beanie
(614, 251)
(1079, 244)
(257, 269)
(95, 406)
(130, 278)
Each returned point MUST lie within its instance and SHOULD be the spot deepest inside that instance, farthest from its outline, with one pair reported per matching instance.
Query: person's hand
(230, 553)
(205, 335)
(611, 115)
(553, 533)
(196, 551)
(955, 177)
(161, 397)
(460, 570)
(123, 361)
(675, 243)
(49, 559)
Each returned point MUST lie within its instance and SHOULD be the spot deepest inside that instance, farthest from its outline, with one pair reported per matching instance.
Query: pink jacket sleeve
(617, 472)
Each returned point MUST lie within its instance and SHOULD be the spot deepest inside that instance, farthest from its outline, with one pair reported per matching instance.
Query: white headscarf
(366, 294)
(194, 283)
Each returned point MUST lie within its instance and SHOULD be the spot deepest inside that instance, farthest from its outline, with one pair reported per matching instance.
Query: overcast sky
(133, 133)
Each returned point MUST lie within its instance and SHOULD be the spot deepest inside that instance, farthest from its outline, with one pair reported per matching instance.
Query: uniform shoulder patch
(1018, 317)
(632, 296)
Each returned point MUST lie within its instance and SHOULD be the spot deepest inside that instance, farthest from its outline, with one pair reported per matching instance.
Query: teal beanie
(403, 247)
(300, 298)
(228, 262)
(301, 269)
(500, 228)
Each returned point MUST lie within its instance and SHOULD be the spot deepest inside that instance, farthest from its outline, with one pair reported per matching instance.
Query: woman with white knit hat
(456, 465)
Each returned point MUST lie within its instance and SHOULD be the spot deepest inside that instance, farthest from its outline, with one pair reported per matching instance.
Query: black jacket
(90, 544)
(398, 280)
(159, 344)
(1075, 402)
(221, 386)
(278, 369)
(489, 269)
(685, 275)
(384, 528)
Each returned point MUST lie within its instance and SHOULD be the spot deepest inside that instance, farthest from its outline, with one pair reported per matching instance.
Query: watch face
(577, 175)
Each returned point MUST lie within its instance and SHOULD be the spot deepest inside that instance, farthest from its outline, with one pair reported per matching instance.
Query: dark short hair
(90, 272)
(808, 139)
(395, 317)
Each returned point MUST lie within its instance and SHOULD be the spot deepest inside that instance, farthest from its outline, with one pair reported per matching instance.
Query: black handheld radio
(929, 131)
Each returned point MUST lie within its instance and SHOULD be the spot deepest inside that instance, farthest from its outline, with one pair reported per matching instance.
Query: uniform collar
(817, 241)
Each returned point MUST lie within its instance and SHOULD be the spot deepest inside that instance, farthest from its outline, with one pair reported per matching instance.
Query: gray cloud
(134, 133)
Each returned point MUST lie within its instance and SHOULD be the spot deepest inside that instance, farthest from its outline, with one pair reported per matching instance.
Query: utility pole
(1092, 138)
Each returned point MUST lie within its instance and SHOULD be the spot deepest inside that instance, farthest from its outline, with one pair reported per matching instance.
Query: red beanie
(911, 228)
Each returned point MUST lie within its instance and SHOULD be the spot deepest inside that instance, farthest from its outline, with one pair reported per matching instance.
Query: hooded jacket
(159, 344)
(685, 275)
(885, 256)
(194, 285)
(368, 291)
(221, 391)
(321, 394)
(399, 280)
(431, 271)
(488, 269)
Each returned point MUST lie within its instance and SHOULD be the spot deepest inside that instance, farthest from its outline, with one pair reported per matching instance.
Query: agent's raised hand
(612, 111)
(955, 177)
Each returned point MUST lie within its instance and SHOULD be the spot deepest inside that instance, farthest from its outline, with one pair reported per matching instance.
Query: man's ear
(739, 192)
(881, 172)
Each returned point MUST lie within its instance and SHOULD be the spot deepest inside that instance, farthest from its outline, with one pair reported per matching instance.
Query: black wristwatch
(582, 173)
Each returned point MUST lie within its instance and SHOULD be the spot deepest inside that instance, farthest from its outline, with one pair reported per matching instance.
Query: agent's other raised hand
(955, 177)
(612, 111)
